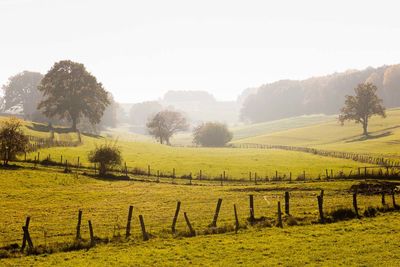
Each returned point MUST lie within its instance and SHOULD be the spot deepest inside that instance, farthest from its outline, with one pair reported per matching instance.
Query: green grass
(369, 242)
(53, 199)
(384, 140)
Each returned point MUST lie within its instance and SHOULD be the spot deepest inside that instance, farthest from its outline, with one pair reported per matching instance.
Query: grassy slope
(385, 135)
(52, 199)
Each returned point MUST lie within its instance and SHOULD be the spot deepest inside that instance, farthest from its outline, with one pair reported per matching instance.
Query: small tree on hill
(71, 92)
(107, 155)
(212, 134)
(362, 106)
(12, 139)
(165, 124)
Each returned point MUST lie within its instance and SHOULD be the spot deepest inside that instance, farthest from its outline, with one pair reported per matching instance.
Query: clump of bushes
(107, 156)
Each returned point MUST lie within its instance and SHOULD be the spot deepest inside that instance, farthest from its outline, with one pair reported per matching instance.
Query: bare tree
(362, 106)
(165, 124)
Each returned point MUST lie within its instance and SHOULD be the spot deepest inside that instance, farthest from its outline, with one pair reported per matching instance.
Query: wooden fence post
(394, 200)
(355, 204)
(290, 177)
(27, 236)
(173, 173)
(251, 202)
(280, 224)
(128, 224)
(192, 231)
(28, 219)
(201, 174)
(383, 198)
(92, 241)
(178, 207)
(78, 226)
(320, 208)
(78, 163)
(221, 180)
(144, 233)
(126, 170)
(236, 219)
(255, 178)
(148, 170)
(287, 196)
(214, 222)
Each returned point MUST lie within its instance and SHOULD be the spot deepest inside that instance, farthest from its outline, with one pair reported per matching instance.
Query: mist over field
(204, 133)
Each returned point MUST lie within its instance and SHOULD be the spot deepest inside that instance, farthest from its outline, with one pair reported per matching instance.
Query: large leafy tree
(71, 92)
(165, 124)
(362, 106)
(22, 89)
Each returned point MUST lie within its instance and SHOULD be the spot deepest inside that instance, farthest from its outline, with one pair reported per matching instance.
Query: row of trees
(163, 125)
(67, 93)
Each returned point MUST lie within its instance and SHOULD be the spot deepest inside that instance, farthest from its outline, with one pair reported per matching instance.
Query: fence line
(363, 158)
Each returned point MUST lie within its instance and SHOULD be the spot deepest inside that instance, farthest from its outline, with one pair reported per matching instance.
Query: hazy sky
(141, 49)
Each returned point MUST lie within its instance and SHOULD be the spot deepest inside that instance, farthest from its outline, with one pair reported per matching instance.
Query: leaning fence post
(236, 219)
(144, 233)
(27, 236)
(214, 222)
(251, 202)
(355, 204)
(28, 219)
(192, 232)
(92, 242)
(128, 224)
(178, 207)
(280, 224)
(78, 227)
(287, 203)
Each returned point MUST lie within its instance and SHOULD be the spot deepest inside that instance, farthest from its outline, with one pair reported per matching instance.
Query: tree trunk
(103, 169)
(365, 128)
(161, 140)
(74, 122)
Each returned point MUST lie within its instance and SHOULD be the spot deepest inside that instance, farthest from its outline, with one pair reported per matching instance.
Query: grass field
(53, 198)
(384, 139)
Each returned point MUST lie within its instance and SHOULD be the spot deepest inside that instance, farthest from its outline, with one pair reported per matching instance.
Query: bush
(12, 139)
(107, 156)
(370, 212)
(212, 134)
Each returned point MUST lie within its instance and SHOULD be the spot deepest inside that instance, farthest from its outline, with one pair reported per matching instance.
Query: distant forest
(316, 95)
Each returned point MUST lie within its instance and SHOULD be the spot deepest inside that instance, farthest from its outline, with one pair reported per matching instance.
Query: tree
(12, 139)
(109, 118)
(165, 124)
(362, 106)
(107, 155)
(71, 92)
(212, 134)
(22, 89)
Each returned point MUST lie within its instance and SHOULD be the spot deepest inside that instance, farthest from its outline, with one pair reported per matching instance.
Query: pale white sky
(141, 49)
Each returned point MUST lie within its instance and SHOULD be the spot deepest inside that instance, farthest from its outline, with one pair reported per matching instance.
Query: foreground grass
(366, 242)
(53, 199)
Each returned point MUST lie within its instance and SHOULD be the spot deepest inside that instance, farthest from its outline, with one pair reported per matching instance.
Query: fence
(327, 153)
(37, 143)
(321, 208)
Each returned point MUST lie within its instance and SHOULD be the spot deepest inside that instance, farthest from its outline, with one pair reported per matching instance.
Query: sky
(141, 49)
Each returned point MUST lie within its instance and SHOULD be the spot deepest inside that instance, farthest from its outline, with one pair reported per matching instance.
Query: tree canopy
(212, 134)
(362, 106)
(71, 92)
(22, 89)
(165, 124)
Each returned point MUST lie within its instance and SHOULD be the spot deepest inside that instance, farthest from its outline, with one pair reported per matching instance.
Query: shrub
(212, 134)
(370, 212)
(12, 139)
(107, 156)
